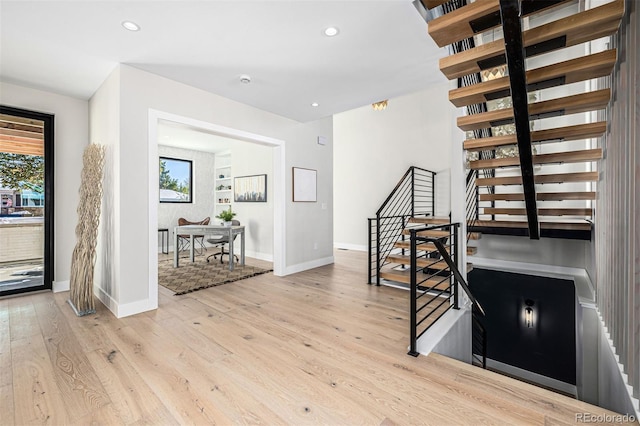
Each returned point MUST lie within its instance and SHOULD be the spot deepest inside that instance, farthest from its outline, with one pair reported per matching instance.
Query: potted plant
(226, 216)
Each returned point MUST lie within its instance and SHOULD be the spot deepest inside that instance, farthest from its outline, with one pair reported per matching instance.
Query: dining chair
(183, 239)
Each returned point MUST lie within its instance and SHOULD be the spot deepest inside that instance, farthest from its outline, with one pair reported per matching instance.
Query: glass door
(26, 201)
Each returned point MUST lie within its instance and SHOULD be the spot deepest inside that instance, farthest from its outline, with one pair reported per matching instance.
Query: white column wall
(307, 224)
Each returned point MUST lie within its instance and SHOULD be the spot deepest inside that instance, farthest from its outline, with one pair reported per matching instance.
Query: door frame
(49, 121)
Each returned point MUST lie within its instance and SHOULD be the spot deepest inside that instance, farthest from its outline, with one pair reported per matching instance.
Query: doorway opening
(26, 201)
(278, 188)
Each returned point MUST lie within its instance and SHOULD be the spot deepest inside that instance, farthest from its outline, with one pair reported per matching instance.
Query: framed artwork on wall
(176, 180)
(250, 189)
(304, 185)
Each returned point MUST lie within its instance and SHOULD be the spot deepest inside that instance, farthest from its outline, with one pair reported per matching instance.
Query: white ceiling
(70, 47)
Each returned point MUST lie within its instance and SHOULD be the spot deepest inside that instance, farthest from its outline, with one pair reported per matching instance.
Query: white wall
(104, 126)
(373, 150)
(141, 92)
(70, 139)
(252, 159)
(545, 251)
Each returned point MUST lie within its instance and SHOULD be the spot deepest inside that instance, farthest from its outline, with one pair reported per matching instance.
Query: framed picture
(250, 189)
(304, 185)
(176, 180)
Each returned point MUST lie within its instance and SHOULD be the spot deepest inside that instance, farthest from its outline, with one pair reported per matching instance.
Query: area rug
(200, 274)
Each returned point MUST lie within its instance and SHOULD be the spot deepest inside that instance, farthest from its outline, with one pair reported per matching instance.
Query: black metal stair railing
(413, 196)
(435, 279)
(478, 341)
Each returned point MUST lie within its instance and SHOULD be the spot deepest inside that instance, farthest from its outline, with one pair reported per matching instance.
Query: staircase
(529, 108)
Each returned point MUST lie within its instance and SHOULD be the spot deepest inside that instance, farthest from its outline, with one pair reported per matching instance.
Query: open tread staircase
(500, 179)
(586, 26)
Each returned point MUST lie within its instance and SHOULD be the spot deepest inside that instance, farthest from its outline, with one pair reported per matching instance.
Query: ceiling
(382, 50)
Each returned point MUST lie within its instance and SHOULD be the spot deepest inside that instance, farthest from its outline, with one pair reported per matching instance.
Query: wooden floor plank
(37, 398)
(78, 384)
(317, 347)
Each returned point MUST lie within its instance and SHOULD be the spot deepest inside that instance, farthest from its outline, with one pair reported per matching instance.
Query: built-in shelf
(223, 198)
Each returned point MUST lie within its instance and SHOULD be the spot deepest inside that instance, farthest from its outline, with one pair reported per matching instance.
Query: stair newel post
(433, 194)
(369, 249)
(456, 261)
(378, 249)
(413, 294)
(413, 192)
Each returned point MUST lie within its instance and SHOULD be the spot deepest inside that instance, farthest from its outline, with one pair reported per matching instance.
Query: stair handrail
(456, 272)
(410, 170)
(413, 195)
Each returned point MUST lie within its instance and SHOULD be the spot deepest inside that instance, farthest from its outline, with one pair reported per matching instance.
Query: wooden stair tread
(407, 245)
(571, 71)
(422, 262)
(540, 179)
(432, 220)
(558, 134)
(583, 226)
(585, 26)
(541, 211)
(583, 102)
(435, 233)
(475, 18)
(430, 4)
(540, 196)
(404, 276)
(585, 155)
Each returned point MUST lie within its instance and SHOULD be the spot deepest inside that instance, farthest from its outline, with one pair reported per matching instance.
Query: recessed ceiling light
(331, 31)
(131, 26)
(245, 79)
(315, 104)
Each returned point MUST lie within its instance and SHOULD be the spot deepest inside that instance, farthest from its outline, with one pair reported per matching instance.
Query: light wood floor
(318, 347)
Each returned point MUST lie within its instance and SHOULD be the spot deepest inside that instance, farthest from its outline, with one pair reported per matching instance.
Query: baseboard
(616, 393)
(308, 265)
(260, 256)
(526, 268)
(531, 377)
(438, 331)
(127, 309)
(60, 286)
(348, 246)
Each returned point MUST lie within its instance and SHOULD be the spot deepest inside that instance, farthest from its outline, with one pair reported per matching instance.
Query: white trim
(59, 286)
(279, 187)
(533, 377)
(635, 403)
(128, 309)
(348, 246)
(438, 330)
(267, 257)
(528, 268)
(308, 265)
(106, 300)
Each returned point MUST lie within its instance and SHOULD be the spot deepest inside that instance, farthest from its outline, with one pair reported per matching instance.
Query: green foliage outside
(19, 171)
(166, 182)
